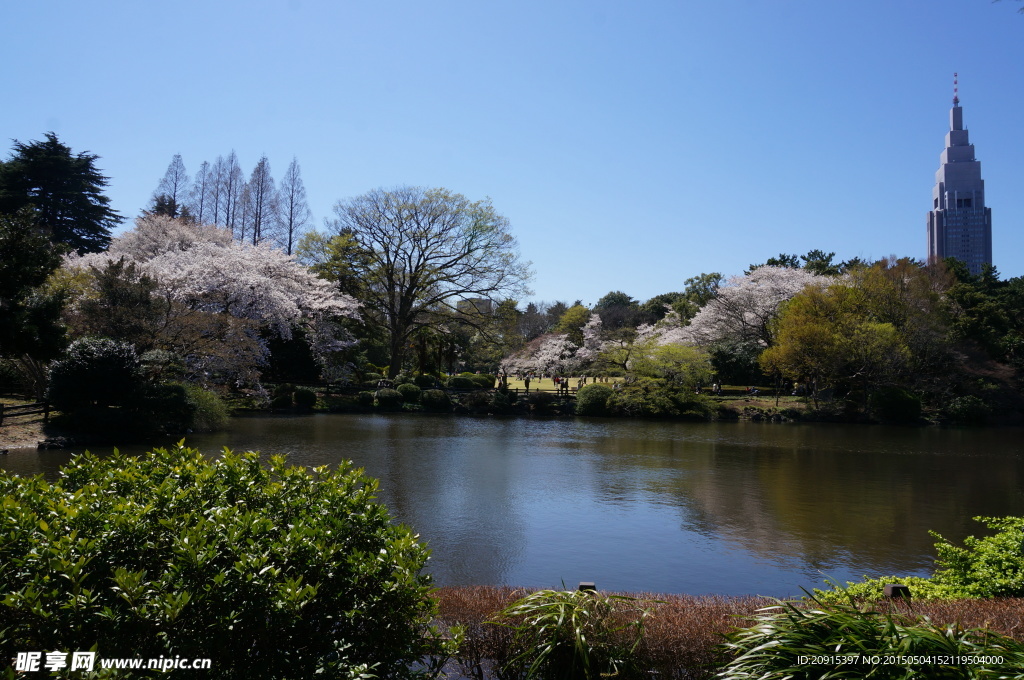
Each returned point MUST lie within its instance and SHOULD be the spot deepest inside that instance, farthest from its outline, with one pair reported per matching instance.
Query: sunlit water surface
(730, 508)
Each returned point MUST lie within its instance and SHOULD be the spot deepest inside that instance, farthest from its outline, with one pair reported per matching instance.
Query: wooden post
(1, 414)
(46, 411)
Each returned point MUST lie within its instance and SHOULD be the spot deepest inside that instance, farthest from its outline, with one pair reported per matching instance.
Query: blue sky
(631, 145)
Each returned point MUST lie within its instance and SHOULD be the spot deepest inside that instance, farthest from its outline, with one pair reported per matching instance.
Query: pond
(728, 508)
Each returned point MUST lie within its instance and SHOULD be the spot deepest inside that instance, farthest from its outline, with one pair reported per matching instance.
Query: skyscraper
(959, 224)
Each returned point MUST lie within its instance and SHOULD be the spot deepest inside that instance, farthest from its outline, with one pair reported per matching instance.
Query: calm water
(732, 508)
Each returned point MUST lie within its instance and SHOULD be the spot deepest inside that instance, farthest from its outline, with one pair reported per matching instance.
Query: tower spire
(956, 99)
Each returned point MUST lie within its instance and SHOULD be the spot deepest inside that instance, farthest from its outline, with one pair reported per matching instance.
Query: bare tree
(199, 195)
(293, 209)
(175, 181)
(424, 250)
(260, 204)
(231, 185)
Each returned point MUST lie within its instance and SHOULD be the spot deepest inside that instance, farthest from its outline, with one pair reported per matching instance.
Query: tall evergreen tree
(65, 189)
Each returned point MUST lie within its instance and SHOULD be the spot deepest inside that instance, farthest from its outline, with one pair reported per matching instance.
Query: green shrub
(410, 393)
(304, 397)
(365, 399)
(502, 402)
(426, 382)
(873, 590)
(96, 372)
(484, 380)
(476, 402)
(270, 571)
(388, 399)
(592, 400)
(657, 398)
(460, 382)
(788, 634)
(570, 635)
(282, 402)
(209, 413)
(991, 566)
(436, 400)
(968, 410)
(895, 405)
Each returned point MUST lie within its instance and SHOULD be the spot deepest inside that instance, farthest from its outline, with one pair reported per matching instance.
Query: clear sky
(631, 144)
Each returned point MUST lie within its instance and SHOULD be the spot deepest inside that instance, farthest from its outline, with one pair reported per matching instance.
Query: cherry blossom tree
(745, 307)
(204, 276)
(550, 353)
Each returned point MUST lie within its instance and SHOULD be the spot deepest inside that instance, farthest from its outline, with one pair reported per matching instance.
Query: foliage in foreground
(271, 571)
(570, 635)
(990, 566)
(788, 634)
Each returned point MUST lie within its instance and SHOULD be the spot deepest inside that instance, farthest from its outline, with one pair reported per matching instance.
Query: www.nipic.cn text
(28, 662)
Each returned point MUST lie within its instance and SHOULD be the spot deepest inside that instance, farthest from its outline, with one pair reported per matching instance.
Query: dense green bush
(503, 402)
(476, 402)
(208, 412)
(304, 397)
(787, 635)
(895, 405)
(410, 393)
(426, 382)
(388, 399)
(365, 399)
(484, 380)
(460, 382)
(271, 571)
(95, 372)
(968, 410)
(436, 400)
(592, 400)
(657, 398)
(281, 402)
(574, 635)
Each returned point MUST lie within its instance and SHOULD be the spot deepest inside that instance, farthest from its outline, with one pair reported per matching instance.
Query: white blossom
(745, 306)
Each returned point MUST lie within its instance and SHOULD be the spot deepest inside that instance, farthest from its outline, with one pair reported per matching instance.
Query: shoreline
(35, 435)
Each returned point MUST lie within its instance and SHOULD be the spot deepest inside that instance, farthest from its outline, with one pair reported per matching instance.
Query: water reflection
(671, 507)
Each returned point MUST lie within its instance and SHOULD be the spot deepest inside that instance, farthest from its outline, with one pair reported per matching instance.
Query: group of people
(563, 384)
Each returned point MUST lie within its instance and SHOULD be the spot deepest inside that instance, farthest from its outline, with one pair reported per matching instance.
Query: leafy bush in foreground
(787, 635)
(271, 571)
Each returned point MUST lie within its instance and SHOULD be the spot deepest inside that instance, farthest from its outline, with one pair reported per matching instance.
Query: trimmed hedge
(410, 393)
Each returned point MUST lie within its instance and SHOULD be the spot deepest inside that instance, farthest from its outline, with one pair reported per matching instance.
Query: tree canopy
(422, 251)
(65, 189)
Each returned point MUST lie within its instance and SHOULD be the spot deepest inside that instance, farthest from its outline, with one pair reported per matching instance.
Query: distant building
(475, 306)
(959, 224)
